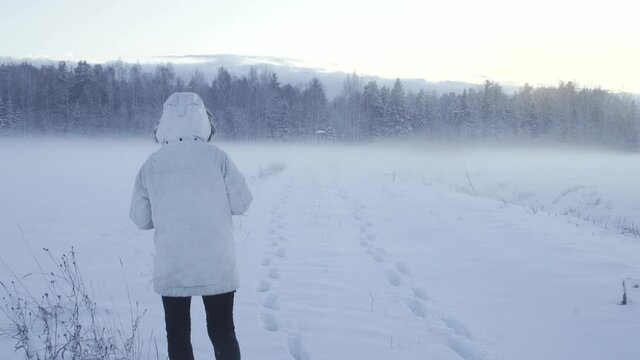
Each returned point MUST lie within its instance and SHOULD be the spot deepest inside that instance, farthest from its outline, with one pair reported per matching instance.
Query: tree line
(120, 98)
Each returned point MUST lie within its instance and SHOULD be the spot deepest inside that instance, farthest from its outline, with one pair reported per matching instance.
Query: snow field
(364, 252)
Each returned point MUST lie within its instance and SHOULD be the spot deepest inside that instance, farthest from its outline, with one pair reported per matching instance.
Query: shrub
(63, 321)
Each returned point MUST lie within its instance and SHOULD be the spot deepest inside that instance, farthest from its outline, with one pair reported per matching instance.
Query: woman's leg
(219, 309)
(177, 316)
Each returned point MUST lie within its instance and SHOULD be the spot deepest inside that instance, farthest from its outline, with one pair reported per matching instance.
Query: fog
(589, 183)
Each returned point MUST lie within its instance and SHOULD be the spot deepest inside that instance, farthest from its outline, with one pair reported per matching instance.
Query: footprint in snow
(273, 273)
(269, 321)
(379, 258)
(393, 277)
(282, 238)
(280, 252)
(271, 302)
(458, 327)
(265, 261)
(467, 349)
(264, 286)
(296, 347)
(417, 308)
(419, 293)
(403, 268)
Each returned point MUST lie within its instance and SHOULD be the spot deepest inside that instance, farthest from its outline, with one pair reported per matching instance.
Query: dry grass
(62, 321)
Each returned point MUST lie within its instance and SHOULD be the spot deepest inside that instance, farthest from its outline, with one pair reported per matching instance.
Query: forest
(124, 99)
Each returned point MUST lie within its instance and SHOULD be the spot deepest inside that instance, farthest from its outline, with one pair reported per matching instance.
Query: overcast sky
(537, 41)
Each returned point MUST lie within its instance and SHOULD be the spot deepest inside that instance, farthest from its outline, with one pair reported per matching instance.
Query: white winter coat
(187, 191)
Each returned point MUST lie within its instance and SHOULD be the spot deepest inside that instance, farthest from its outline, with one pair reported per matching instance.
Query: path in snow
(330, 290)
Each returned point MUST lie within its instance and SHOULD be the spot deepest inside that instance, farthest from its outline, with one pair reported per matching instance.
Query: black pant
(219, 309)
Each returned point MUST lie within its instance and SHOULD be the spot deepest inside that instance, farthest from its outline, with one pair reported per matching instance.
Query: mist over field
(389, 250)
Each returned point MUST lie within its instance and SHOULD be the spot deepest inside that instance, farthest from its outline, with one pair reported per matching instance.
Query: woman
(187, 190)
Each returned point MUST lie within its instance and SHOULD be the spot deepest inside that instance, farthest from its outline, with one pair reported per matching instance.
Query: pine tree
(164, 79)
(62, 95)
(373, 110)
(352, 94)
(528, 112)
(13, 116)
(314, 103)
(383, 128)
(419, 111)
(397, 122)
(493, 111)
(4, 123)
(222, 109)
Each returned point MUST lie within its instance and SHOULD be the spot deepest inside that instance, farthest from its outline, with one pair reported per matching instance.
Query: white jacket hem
(203, 290)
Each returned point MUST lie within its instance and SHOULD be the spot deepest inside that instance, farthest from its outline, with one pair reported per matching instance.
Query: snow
(369, 252)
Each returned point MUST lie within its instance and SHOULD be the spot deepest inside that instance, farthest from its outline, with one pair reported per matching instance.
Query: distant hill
(288, 70)
(294, 72)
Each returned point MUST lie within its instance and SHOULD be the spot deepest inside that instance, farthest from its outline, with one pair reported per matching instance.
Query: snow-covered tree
(397, 122)
(314, 107)
(373, 111)
(124, 98)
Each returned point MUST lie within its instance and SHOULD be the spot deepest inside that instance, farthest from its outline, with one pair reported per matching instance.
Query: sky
(541, 42)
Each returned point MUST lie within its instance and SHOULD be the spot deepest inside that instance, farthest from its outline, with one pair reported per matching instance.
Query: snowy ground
(363, 252)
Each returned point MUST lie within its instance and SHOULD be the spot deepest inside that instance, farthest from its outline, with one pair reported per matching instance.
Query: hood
(183, 116)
